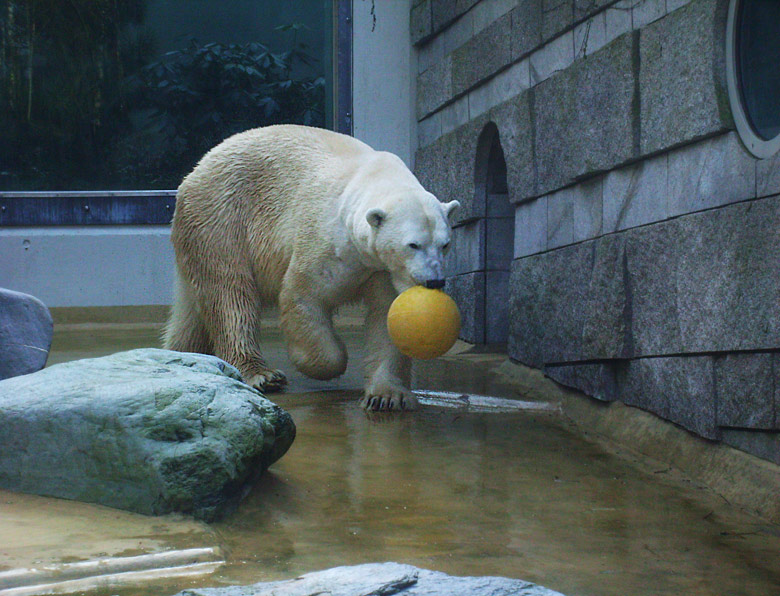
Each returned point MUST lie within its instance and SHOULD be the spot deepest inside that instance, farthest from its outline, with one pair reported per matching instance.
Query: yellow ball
(423, 323)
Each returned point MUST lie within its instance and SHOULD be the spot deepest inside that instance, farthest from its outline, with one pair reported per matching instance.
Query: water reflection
(521, 494)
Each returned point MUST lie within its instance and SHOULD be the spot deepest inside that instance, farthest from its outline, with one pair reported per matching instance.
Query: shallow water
(519, 494)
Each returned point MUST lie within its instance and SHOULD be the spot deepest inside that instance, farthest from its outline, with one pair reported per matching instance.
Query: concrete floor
(523, 493)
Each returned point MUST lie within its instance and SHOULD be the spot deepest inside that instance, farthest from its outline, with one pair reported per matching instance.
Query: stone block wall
(646, 250)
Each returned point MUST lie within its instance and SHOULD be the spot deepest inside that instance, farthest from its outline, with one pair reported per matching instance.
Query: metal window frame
(155, 207)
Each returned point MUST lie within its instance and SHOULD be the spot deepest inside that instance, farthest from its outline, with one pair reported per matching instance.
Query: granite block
(590, 36)
(744, 384)
(527, 312)
(607, 322)
(547, 293)
(587, 206)
(557, 15)
(727, 284)
(513, 119)
(680, 389)
(594, 380)
(526, 27)
(499, 243)
(429, 130)
(487, 12)
(560, 219)
(482, 56)
(672, 5)
(531, 227)
(467, 251)
(645, 12)
(434, 87)
(636, 195)
(460, 32)
(468, 292)
(499, 205)
(709, 174)
(765, 445)
(688, 48)
(617, 21)
(455, 115)
(586, 8)
(651, 279)
(505, 86)
(420, 21)
(496, 307)
(583, 117)
(443, 12)
(551, 58)
(446, 169)
(768, 176)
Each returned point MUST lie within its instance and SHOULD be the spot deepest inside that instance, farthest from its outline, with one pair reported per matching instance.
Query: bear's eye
(414, 246)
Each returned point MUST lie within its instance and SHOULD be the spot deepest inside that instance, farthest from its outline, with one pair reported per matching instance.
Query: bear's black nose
(434, 284)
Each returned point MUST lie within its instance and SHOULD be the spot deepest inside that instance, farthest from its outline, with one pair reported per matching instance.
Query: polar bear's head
(410, 235)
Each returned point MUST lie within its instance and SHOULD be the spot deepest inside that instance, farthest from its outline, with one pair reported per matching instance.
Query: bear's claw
(383, 403)
(270, 381)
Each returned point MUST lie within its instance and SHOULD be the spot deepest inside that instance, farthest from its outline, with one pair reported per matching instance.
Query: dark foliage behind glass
(89, 101)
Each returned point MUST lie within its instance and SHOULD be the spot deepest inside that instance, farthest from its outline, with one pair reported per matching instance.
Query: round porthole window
(753, 73)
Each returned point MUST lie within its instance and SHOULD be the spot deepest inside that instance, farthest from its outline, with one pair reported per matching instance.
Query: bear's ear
(376, 217)
(451, 207)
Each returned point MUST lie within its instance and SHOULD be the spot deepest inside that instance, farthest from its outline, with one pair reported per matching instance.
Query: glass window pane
(129, 94)
(758, 47)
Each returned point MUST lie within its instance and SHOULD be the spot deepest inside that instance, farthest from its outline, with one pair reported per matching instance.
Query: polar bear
(309, 219)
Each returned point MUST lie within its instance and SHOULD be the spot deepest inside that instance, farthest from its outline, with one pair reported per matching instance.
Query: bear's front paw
(268, 381)
(391, 399)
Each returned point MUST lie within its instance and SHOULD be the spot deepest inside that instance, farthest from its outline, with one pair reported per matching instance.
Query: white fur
(310, 219)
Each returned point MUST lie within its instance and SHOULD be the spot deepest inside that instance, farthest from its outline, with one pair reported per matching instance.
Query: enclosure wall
(646, 238)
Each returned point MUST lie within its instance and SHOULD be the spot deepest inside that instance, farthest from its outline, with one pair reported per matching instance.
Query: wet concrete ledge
(738, 477)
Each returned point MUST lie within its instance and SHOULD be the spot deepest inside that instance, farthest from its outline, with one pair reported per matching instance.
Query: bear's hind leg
(185, 331)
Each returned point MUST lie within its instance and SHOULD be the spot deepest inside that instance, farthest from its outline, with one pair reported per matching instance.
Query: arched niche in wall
(492, 195)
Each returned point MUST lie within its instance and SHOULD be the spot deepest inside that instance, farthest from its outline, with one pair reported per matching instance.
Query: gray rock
(385, 579)
(26, 329)
(151, 431)
(583, 117)
(686, 47)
